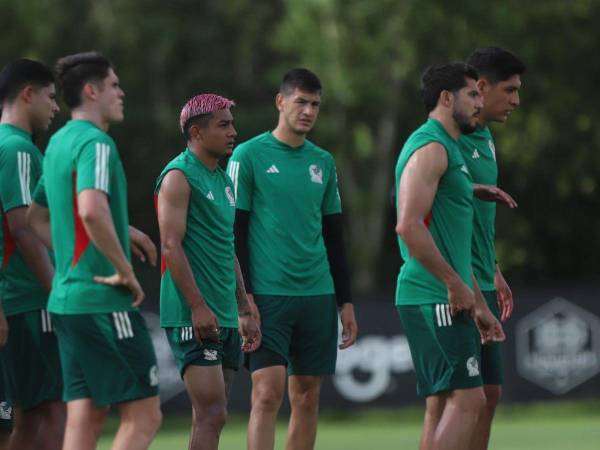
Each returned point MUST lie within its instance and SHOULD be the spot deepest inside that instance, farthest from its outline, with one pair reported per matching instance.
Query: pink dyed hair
(203, 104)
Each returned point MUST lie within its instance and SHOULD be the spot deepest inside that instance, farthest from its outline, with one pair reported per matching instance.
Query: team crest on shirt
(153, 376)
(492, 148)
(230, 197)
(472, 366)
(316, 174)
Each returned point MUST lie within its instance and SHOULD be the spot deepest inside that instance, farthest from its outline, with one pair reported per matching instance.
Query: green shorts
(6, 412)
(444, 349)
(226, 352)
(106, 357)
(30, 360)
(492, 367)
(300, 332)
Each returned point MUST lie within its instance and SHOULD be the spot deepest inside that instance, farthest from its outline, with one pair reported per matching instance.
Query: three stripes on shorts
(123, 325)
(46, 321)
(443, 316)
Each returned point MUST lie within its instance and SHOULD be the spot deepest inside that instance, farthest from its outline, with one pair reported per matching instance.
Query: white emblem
(210, 355)
(464, 169)
(5, 411)
(492, 148)
(210, 195)
(273, 169)
(473, 366)
(153, 376)
(316, 174)
(475, 154)
(230, 196)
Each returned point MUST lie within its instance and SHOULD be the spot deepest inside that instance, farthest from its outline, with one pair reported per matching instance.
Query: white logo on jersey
(229, 195)
(492, 148)
(464, 169)
(210, 355)
(475, 154)
(210, 195)
(273, 169)
(473, 366)
(153, 376)
(316, 174)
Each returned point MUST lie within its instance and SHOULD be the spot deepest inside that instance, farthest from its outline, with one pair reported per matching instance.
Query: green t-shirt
(20, 169)
(287, 192)
(208, 244)
(480, 156)
(450, 221)
(81, 156)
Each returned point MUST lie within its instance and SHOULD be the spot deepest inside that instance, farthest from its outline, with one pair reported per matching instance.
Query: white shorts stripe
(448, 315)
(44, 324)
(127, 322)
(437, 314)
(118, 325)
(443, 315)
(50, 328)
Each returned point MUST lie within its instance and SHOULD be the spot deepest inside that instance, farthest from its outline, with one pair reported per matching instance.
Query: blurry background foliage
(369, 54)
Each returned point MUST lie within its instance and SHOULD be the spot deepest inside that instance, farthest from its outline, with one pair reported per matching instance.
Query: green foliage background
(369, 54)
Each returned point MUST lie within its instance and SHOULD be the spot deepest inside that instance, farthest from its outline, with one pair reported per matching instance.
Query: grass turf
(539, 426)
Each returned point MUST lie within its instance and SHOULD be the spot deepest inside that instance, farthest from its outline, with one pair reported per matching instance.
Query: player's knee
(306, 399)
(214, 416)
(266, 398)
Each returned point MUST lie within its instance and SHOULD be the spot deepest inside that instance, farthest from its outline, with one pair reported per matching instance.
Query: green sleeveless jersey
(20, 169)
(450, 221)
(480, 156)
(208, 245)
(81, 156)
(287, 192)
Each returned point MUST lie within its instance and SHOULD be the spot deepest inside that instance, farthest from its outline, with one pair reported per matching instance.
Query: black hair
(444, 77)
(302, 79)
(74, 71)
(496, 64)
(201, 120)
(20, 73)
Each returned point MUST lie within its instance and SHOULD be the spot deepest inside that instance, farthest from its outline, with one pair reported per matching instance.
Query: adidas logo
(475, 154)
(210, 195)
(464, 169)
(273, 169)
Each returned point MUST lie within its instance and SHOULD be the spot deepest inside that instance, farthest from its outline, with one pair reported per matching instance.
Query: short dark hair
(302, 79)
(20, 73)
(201, 120)
(496, 64)
(74, 71)
(444, 77)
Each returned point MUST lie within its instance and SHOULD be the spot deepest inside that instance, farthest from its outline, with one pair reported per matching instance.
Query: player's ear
(445, 99)
(27, 93)
(482, 85)
(279, 101)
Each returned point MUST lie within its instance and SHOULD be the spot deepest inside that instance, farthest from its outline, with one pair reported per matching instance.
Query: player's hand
(493, 194)
(142, 246)
(3, 330)
(254, 309)
(460, 297)
(349, 326)
(250, 333)
(503, 295)
(205, 324)
(128, 281)
(489, 327)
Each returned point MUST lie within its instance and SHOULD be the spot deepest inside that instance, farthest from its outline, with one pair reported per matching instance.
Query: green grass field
(540, 426)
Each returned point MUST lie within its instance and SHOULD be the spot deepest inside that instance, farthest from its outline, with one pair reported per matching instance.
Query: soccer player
(290, 245)
(435, 295)
(30, 359)
(202, 290)
(105, 349)
(499, 83)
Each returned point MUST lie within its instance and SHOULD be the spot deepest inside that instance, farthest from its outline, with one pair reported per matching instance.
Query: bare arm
(31, 248)
(173, 201)
(249, 329)
(96, 217)
(418, 187)
(240, 291)
(489, 327)
(38, 218)
(142, 246)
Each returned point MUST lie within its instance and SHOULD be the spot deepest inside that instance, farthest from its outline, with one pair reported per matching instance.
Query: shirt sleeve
(95, 165)
(15, 177)
(240, 171)
(332, 203)
(39, 194)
